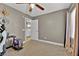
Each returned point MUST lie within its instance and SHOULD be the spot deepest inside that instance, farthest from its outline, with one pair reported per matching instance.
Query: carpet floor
(36, 48)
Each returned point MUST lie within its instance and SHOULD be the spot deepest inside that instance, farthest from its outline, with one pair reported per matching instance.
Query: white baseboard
(26, 41)
(54, 43)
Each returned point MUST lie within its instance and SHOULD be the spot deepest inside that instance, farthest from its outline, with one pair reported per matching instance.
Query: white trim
(54, 43)
(26, 41)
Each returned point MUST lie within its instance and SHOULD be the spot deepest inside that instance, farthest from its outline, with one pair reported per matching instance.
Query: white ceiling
(49, 7)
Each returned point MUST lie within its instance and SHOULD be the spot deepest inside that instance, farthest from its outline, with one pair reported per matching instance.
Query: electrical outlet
(45, 37)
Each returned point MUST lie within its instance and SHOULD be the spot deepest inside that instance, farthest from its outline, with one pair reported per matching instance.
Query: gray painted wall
(51, 27)
(16, 22)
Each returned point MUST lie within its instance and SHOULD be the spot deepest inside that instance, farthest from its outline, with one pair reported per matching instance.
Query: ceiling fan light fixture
(32, 5)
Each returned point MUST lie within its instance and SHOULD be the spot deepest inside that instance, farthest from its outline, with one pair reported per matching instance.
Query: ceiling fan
(32, 5)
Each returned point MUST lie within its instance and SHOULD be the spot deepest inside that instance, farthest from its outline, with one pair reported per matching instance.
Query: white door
(34, 29)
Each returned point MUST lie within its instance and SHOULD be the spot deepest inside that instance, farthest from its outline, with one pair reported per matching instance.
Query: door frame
(25, 20)
(75, 47)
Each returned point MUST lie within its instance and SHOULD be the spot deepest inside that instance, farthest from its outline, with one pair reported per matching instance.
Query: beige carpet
(36, 48)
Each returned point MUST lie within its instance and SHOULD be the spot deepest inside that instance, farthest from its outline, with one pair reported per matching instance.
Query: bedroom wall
(51, 27)
(16, 21)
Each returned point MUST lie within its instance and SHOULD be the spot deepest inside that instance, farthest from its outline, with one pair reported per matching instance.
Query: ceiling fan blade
(30, 8)
(39, 6)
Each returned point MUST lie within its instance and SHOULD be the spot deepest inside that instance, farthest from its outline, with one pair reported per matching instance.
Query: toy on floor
(9, 41)
(14, 42)
(17, 43)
